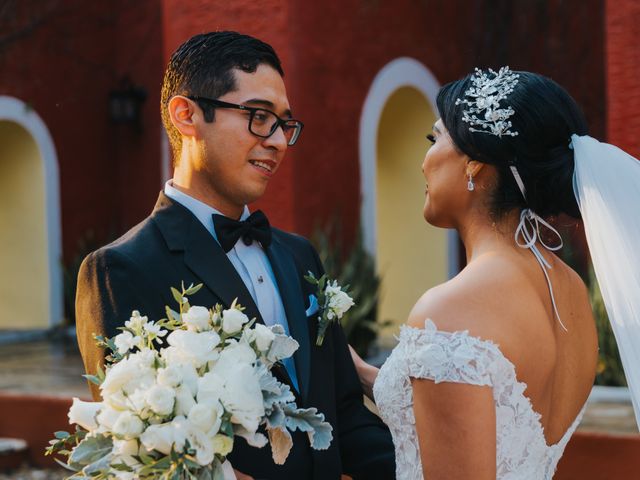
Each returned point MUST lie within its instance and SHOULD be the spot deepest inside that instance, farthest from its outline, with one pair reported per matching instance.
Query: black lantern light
(125, 103)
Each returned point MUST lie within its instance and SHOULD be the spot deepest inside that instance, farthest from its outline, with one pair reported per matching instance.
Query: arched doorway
(30, 247)
(411, 256)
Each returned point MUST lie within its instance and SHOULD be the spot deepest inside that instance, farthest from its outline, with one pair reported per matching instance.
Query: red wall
(623, 72)
(63, 58)
(66, 63)
(332, 51)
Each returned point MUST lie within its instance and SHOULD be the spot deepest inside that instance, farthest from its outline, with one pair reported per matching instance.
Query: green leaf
(62, 435)
(193, 289)
(90, 450)
(176, 295)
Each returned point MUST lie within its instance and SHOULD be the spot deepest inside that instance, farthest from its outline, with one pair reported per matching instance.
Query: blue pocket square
(313, 305)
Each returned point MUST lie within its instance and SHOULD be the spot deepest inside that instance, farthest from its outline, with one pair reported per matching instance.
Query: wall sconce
(125, 103)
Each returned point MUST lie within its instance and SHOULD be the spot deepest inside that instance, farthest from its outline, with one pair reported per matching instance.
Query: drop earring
(470, 185)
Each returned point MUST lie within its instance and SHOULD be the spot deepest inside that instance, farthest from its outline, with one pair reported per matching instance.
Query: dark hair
(203, 66)
(545, 118)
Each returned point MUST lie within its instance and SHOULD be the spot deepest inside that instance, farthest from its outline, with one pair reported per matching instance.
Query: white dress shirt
(251, 263)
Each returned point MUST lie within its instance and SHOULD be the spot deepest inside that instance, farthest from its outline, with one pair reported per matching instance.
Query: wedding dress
(522, 452)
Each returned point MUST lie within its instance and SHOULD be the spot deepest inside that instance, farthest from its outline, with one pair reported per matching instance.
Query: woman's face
(444, 170)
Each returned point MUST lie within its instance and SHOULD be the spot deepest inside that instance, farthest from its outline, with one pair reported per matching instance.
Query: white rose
(84, 413)
(107, 418)
(339, 301)
(128, 426)
(125, 341)
(125, 447)
(117, 376)
(131, 373)
(242, 395)
(263, 337)
(159, 437)
(193, 347)
(171, 376)
(202, 444)
(161, 399)
(234, 353)
(123, 452)
(210, 387)
(197, 319)
(184, 400)
(222, 445)
(206, 416)
(232, 320)
(137, 402)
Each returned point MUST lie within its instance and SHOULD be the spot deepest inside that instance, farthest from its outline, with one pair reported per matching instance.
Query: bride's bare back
(503, 297)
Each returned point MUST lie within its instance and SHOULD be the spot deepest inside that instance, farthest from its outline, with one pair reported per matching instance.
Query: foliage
(356, 269)
(609, 370)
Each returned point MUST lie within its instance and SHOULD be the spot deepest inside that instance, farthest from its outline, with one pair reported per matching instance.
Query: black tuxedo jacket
(171, 246)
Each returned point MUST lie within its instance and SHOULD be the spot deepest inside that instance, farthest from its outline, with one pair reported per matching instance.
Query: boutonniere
(333, 302)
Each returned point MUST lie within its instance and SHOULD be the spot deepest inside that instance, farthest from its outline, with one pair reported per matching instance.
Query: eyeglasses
(262, 122)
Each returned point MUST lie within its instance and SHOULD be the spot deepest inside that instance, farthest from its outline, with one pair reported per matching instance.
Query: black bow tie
(255, 227)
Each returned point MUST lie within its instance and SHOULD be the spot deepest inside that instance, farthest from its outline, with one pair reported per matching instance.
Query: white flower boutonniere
(333, 301)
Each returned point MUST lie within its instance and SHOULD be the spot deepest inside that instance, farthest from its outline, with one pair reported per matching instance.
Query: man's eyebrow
(267, 104)
(436, 130)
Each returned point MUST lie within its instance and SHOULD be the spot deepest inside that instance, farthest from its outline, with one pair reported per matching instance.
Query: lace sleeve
(449, 357)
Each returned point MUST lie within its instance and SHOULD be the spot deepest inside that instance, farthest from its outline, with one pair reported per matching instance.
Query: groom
(228, 119)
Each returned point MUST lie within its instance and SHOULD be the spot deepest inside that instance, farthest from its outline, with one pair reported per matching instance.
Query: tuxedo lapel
(182, 231)
(288, 279)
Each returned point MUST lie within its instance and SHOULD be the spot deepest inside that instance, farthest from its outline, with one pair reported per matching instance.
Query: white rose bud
(161, 399)
(222, 445)
(136, 322)
(232, 320)
(197, 319)
(263, 337)
(128, 426)
(84, 413)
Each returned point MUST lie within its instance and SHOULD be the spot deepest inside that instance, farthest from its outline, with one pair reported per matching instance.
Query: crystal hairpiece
(484, 97)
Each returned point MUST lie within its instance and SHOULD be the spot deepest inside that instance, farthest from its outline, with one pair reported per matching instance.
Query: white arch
(14, 110)
(401, 72)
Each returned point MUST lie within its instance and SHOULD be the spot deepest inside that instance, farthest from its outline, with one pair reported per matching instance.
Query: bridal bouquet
(176, 392)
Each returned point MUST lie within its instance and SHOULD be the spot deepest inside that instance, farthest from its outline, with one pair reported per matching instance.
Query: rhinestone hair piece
(483, 102)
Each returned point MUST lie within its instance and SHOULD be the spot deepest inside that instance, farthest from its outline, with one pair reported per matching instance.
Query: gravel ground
(30, 473)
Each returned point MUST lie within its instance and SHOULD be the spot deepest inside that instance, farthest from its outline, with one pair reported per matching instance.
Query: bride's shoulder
(481, 299)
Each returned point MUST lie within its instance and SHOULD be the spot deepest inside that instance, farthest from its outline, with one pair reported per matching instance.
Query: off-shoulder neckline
(431, 329)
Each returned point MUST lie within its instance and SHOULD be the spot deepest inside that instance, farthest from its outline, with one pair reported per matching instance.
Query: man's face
(236, 165)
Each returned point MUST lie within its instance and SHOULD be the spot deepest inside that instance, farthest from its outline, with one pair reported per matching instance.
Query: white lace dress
(522, 452)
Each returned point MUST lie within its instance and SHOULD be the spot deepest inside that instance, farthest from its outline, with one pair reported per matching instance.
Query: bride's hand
(366, 372)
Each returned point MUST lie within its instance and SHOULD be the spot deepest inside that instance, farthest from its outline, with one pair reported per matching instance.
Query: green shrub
(609, 370)
(356, 269)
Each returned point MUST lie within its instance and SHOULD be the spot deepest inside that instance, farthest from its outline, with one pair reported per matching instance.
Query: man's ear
(181, 112)
(473, 168)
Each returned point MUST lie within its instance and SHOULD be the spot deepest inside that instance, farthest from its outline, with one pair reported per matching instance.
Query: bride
(493, 369)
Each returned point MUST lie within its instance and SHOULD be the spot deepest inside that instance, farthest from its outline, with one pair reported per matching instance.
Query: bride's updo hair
(545, 118)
